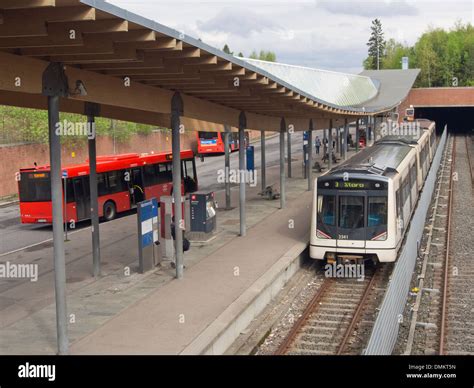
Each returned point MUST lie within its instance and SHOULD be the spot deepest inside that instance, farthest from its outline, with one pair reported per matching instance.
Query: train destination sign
(352, 184)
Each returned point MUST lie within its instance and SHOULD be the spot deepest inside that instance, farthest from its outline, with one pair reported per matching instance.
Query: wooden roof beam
(18, 4)
(12, 21)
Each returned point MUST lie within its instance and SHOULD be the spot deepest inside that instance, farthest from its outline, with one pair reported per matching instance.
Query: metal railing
(385, 331)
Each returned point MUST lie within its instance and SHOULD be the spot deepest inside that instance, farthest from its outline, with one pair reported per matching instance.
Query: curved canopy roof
(330, 87)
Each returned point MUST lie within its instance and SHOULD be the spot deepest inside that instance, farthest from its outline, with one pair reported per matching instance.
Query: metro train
(362, 208)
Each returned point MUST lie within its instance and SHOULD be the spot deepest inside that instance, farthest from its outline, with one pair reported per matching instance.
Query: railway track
(441, 321)
(328, 322)
(457, 324)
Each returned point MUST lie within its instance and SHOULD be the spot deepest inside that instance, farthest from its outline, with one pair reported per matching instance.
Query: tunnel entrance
(458, 119)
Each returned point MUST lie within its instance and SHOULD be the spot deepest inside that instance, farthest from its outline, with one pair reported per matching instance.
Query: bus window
(327, 209)
(150, 174)
(165, 174)
(351, 212)
(35, 187)
(207, 135)
(101, 184)
(377, 213)
(70, 197)
(116, 184)
(189, 175)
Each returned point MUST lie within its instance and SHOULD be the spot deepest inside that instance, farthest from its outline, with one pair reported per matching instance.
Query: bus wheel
(110, 211)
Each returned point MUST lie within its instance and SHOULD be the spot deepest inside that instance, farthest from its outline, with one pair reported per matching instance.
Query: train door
(82, 197)
(351, 216)
(137, 189)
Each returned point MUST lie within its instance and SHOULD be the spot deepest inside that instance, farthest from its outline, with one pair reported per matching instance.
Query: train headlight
(320, 234)
(380, 237)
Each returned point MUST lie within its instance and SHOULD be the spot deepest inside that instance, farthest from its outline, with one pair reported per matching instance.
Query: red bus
(122, 182)
(213, 142)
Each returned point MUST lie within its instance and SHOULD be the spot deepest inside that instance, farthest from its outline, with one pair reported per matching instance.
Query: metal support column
(289, 153)
(338, 140)
(330, 145)
(227, 166)
(242, 172)
(357, 136)
(282, 163)
(55, 85)
(346, 133)
(375, 128)
(325, 139)
(309, 162)
(92, 110)
(176, 113)
(263, 162)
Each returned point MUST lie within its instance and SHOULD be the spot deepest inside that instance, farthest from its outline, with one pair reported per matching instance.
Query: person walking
(317, 143)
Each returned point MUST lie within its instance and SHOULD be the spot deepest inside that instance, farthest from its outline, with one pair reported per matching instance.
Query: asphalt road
(16, 236)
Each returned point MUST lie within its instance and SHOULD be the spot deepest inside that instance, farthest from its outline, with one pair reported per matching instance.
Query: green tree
(268, 56)
(394, 52)
(445, 57)
(226, 49)
(376, 46)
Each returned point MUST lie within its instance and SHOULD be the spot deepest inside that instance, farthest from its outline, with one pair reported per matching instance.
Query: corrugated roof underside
(334, 88)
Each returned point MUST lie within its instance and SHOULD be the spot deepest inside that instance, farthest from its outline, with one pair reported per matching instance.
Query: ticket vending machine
(203, 212)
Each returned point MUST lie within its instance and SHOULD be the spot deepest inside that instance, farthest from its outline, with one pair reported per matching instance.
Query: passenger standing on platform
(317, 143)
(186, 243)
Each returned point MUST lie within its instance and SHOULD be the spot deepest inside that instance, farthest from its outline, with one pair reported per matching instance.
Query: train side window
(405, 190)
(327, 209)
(398, 202)
(412, 176)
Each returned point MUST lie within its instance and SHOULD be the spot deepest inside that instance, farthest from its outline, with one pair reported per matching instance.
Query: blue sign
(147, 212)
(205, 142)
(65, 174)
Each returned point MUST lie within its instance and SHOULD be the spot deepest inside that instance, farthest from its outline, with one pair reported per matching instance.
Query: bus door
(137, 189)
(82, 197)
(351, 215)
(189, 175)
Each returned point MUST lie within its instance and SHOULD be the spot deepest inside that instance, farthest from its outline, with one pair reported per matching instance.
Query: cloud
(238, 21)
(369, 8)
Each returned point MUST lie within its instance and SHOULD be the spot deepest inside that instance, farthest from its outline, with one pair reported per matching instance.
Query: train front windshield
(352, 214)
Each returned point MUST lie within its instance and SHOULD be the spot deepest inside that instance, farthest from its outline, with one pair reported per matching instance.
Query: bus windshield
(34, 187)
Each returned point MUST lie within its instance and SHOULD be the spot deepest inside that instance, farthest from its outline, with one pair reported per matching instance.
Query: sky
(328, 35)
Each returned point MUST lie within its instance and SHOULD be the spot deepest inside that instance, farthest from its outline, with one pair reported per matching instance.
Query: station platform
(226, 283)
